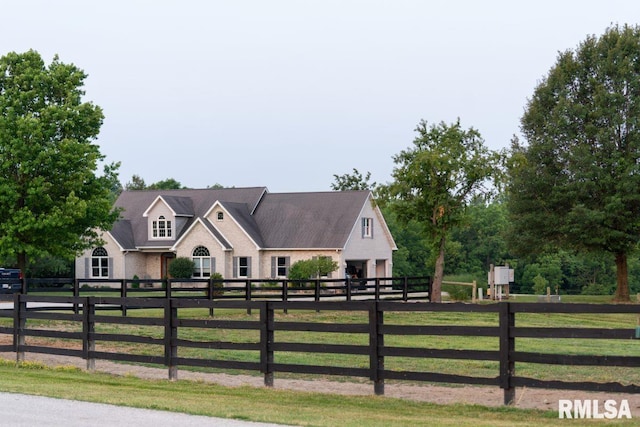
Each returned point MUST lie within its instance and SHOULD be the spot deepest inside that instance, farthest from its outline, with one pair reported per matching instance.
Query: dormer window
(161, 228)
(220, 216)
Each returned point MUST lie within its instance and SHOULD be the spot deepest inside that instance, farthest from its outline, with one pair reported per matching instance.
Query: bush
(181, 268)
(310, 268)
(540, 285)
(217, 286)
(458, 292)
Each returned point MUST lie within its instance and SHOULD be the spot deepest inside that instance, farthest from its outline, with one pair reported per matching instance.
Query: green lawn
(317, 409)
(256, 404)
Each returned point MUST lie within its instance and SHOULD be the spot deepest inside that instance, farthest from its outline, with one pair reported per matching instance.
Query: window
(367, 227)
(202, 262)
(100, 263)
(242, 266)
(220, 216)
(161, 228)
(280, 266)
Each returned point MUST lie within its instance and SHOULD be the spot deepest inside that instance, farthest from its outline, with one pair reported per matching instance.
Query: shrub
(217, 286)
(458, 292)
(540, 285)
(181, 268)
(310, 268)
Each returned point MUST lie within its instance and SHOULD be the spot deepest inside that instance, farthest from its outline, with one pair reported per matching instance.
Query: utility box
(503, 275)
(499, 279)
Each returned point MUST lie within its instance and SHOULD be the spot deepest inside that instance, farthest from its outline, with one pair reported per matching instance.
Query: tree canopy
(576, 182)
(434, 181)
(137, 183)
(53, 201)
(354, 181)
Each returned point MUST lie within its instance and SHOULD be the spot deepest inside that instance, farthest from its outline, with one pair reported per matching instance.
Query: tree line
(562, 206)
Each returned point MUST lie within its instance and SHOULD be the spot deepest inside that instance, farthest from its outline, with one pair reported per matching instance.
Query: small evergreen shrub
(217, 286)
(136, 282)
(181, 268)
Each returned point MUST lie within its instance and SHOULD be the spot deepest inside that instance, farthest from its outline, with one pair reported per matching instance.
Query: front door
(165, 260)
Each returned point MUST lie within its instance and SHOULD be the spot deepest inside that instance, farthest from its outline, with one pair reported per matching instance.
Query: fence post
(474, 291)
(376, 343)
(377, 288)
(88, 331)
(248, 294)
(170, 337)
(210, 291)
(285, 294)
(19, 324)
(507, 347)
(123, 294)
(317, 292)
(167, 288)
(348, 281)
(267, 321)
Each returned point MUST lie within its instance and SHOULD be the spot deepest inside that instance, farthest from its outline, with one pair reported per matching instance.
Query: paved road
(20, 410)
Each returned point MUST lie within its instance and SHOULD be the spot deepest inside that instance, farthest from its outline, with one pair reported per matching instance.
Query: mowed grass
(256, 404)
(298, 408)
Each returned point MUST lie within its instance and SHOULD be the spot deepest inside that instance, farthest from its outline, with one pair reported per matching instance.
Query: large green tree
(576, 184)
(434, 181)
(53, 202)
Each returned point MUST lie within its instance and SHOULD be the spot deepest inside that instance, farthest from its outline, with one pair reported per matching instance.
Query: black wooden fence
(22, 313)
(346, 289)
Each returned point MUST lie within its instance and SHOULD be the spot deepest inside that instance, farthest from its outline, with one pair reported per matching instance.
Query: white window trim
(161, 225)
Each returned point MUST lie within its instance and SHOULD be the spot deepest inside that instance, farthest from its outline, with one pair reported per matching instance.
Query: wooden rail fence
(346, 289)
(21, 317)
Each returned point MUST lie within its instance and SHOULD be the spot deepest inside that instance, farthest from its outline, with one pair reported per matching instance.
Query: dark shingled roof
(309, 220)
(183, 202)
(315, 220)
(182, 206)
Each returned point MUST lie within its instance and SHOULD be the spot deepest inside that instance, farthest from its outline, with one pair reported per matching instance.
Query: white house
(241, 233)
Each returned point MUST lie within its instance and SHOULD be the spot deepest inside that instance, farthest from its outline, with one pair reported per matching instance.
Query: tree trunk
(622, 290)
(22, 262)
(439, 273)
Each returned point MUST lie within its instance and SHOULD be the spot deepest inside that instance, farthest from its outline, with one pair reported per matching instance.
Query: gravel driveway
(21, 410)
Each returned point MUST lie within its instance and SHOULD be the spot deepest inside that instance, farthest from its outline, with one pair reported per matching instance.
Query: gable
(213, 233)
(133, 229)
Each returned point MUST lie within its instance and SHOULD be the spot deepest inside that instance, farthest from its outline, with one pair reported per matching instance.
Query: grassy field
(477, 368)
(256, 404)
(319, 409)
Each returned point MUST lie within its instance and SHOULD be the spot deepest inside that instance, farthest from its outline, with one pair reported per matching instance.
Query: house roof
(309, 220)
(134, 205)
(313, 220)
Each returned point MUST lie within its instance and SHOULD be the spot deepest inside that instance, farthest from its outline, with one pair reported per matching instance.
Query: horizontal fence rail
(344, 289)
(368, 341)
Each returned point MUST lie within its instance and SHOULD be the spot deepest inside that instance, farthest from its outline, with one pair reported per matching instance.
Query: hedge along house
(241, 233)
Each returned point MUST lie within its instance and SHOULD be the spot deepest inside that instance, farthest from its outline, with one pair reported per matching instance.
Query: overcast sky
(284, 93)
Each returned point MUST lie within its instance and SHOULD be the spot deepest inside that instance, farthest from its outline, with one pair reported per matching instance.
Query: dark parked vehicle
(10, 280)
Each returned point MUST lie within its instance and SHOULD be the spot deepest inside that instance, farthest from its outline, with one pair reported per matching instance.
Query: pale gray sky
(284, 93)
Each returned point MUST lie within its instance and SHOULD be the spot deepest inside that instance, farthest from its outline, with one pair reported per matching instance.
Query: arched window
(202, 262)
(100, 263)
(161, 228)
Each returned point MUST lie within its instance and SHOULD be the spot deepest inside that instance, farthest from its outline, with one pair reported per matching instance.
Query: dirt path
(487, 396)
